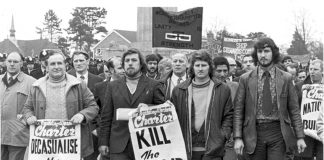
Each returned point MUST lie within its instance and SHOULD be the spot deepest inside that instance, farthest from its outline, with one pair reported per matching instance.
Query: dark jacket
(165, 80)
(245, 108)
(37, 73)
(92, 79)
(218, 124)
(113, 133)
(79, 99)
(299, 86)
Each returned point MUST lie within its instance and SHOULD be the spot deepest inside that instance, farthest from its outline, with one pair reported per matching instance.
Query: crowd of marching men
(253, 115)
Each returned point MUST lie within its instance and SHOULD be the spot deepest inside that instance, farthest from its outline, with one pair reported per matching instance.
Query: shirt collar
(271, 71)
(175, 78)
(85, 75)
(13, 77)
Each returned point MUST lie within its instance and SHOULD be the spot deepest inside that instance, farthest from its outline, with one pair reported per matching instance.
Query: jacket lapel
(139, 89)
(279, 84)
(123, 90)
(253, 85)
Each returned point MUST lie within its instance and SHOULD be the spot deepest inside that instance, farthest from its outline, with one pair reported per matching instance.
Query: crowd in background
(167, 77)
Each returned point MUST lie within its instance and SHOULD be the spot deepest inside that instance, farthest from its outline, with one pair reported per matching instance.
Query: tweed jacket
(245, 108)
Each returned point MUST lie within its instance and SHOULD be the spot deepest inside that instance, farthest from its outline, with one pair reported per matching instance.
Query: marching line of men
(222, 116)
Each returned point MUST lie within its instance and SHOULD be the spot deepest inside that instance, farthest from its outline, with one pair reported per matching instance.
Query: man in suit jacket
(128, 92)
(80, 63)
(177, 75)
(267, 119)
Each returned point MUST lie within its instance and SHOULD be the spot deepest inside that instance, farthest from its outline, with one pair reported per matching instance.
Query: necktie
(266, 99)
(10, 80)
(179, 80)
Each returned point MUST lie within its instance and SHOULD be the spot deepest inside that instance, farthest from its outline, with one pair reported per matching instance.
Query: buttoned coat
(245, 109)
(12, 99)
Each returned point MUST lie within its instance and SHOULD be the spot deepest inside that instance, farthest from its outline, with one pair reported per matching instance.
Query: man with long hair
(205, 110)
(267, 121)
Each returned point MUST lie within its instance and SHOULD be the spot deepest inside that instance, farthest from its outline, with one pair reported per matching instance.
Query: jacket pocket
(21, 100)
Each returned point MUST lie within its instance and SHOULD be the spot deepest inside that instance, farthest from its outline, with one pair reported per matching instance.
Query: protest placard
(310, 107)
(180, 30)
(240, 46)
(156, 134)
(54, 140)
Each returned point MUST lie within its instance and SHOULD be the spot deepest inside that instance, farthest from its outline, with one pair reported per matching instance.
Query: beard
(265, 64)
(152, 70)
(132, 72)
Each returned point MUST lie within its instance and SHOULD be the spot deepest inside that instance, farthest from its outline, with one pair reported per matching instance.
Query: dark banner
(181, 30)
(238, 46)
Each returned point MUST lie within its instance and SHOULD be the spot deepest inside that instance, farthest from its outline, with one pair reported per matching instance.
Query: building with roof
(25, 47)
(114, 44)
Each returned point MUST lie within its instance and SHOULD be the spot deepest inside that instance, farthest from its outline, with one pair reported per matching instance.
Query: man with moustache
(152, 61)
(177, 75)
(267, 121)
(14, 90)
(221, 72)
(128, 92)
(59, 95)
(205, 110)
(80, 62)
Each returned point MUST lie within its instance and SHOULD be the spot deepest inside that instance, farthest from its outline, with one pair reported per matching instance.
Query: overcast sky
(276, 18)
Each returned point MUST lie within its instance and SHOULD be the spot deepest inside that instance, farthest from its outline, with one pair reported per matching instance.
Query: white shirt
(85, 77)
(13, 77)
(174, 80)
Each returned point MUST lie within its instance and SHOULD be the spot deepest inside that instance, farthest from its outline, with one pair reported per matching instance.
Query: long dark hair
(141, 58)
(262, 43)
(201, 55)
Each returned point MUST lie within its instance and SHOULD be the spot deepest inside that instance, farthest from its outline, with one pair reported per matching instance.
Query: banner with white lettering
(238, 46)
(156, 134)
(54, 140)
(310, 107)
(180, 30)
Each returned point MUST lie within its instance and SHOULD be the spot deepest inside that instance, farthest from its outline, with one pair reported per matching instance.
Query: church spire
(12, 29)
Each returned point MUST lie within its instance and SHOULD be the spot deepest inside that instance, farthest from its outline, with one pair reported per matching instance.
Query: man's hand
(94, 132)
(77, 118)
(238, 146)
(140, 105)
(31, 120)
(301, 145)
(104, 150)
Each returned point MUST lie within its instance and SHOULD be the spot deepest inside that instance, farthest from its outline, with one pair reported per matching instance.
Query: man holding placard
(135, 88)
(59, 95)
(204, 109)
(310, 94)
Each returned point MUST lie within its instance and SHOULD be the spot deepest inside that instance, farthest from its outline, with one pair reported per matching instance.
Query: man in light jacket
(61, 96)
(14, 90)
